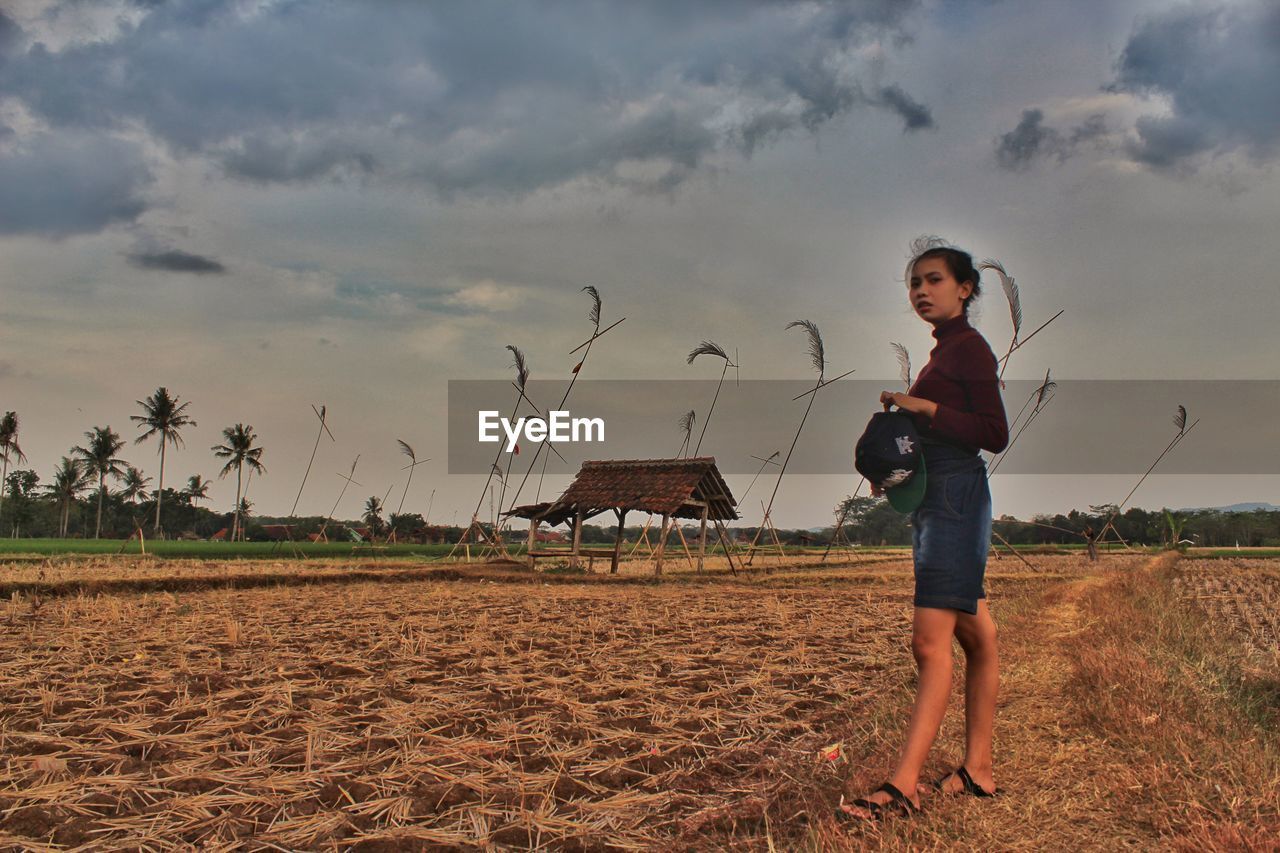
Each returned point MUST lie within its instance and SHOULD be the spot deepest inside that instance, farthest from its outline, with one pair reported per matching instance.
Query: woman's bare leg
(932, 630)
(977, 636)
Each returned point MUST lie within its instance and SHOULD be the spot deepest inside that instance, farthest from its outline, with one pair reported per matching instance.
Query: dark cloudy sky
(263, 205)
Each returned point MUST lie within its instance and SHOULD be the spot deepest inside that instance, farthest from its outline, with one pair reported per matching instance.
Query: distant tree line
(94, 492)
(872, 521)
(61, 506)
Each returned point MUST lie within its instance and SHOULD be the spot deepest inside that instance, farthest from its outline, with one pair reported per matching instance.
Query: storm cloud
(1218, 69)
(483, 98)
(175, 260)
(1033, 140)
(1204, 79)
(59, 185)
(915, 116)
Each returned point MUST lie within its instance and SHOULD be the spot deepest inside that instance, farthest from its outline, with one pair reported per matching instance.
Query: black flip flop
(899, 804)
(971, 787)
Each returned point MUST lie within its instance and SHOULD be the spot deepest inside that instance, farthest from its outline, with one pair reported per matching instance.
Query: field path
(1125, 721)
(1054, 772)
(1052, 769)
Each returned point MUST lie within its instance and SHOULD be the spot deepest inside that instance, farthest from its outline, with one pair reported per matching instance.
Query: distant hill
(1244, 507)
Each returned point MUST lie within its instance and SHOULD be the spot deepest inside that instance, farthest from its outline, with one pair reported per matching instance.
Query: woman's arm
(986, 426)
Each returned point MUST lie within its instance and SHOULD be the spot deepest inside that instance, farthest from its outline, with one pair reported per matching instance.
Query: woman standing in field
(956, 405)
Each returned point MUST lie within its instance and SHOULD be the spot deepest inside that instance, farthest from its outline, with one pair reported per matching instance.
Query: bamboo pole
(724, 543)
(533, 538)
(844, 513)
(662, 544)
(324, 428)
(702, 538)
(617, 542)
(1172, 444)
(819, 362)
(577, 369)
(643, 537)
(522, 375)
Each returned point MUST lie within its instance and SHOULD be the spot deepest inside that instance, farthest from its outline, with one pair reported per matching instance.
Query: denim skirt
(951, 530)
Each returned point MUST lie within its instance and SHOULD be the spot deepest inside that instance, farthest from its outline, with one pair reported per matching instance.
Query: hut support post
(617, 543)
(574, 561)
(533, 537)
(662, 544)
(702, 538)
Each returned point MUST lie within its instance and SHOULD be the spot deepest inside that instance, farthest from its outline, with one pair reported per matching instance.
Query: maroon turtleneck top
(961, 378)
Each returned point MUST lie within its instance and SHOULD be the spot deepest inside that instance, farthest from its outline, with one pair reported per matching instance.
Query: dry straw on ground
(700, 713)
(443, 712)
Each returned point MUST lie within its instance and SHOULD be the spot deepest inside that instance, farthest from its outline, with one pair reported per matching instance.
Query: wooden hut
(673, 488)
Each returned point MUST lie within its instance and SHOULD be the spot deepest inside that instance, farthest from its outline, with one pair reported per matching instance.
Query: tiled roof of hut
(528, 510)
(647, 485)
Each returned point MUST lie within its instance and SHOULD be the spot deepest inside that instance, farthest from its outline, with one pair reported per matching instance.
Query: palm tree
(135, 486)
(373, 515)
(197, 489)
(162, 416)
(100, 460)
(9, 449)
(238, 451)
(69, 481)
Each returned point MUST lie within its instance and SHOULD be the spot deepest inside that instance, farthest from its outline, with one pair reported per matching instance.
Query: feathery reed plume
(518, 362)
(686, 426)
(707, 348)
(595, 305)
(1010, 292)
(904, 363)
(1045, 387)
(1015, 307)
(711, 348)
(816, 353)
(1180, 419)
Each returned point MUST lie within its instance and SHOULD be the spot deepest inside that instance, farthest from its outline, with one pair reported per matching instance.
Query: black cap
(889, 455)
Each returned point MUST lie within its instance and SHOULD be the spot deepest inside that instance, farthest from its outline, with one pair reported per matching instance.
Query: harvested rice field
(475, 712)
(1243, 595)
(462, 711)
(66, 570)
(95, 573)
